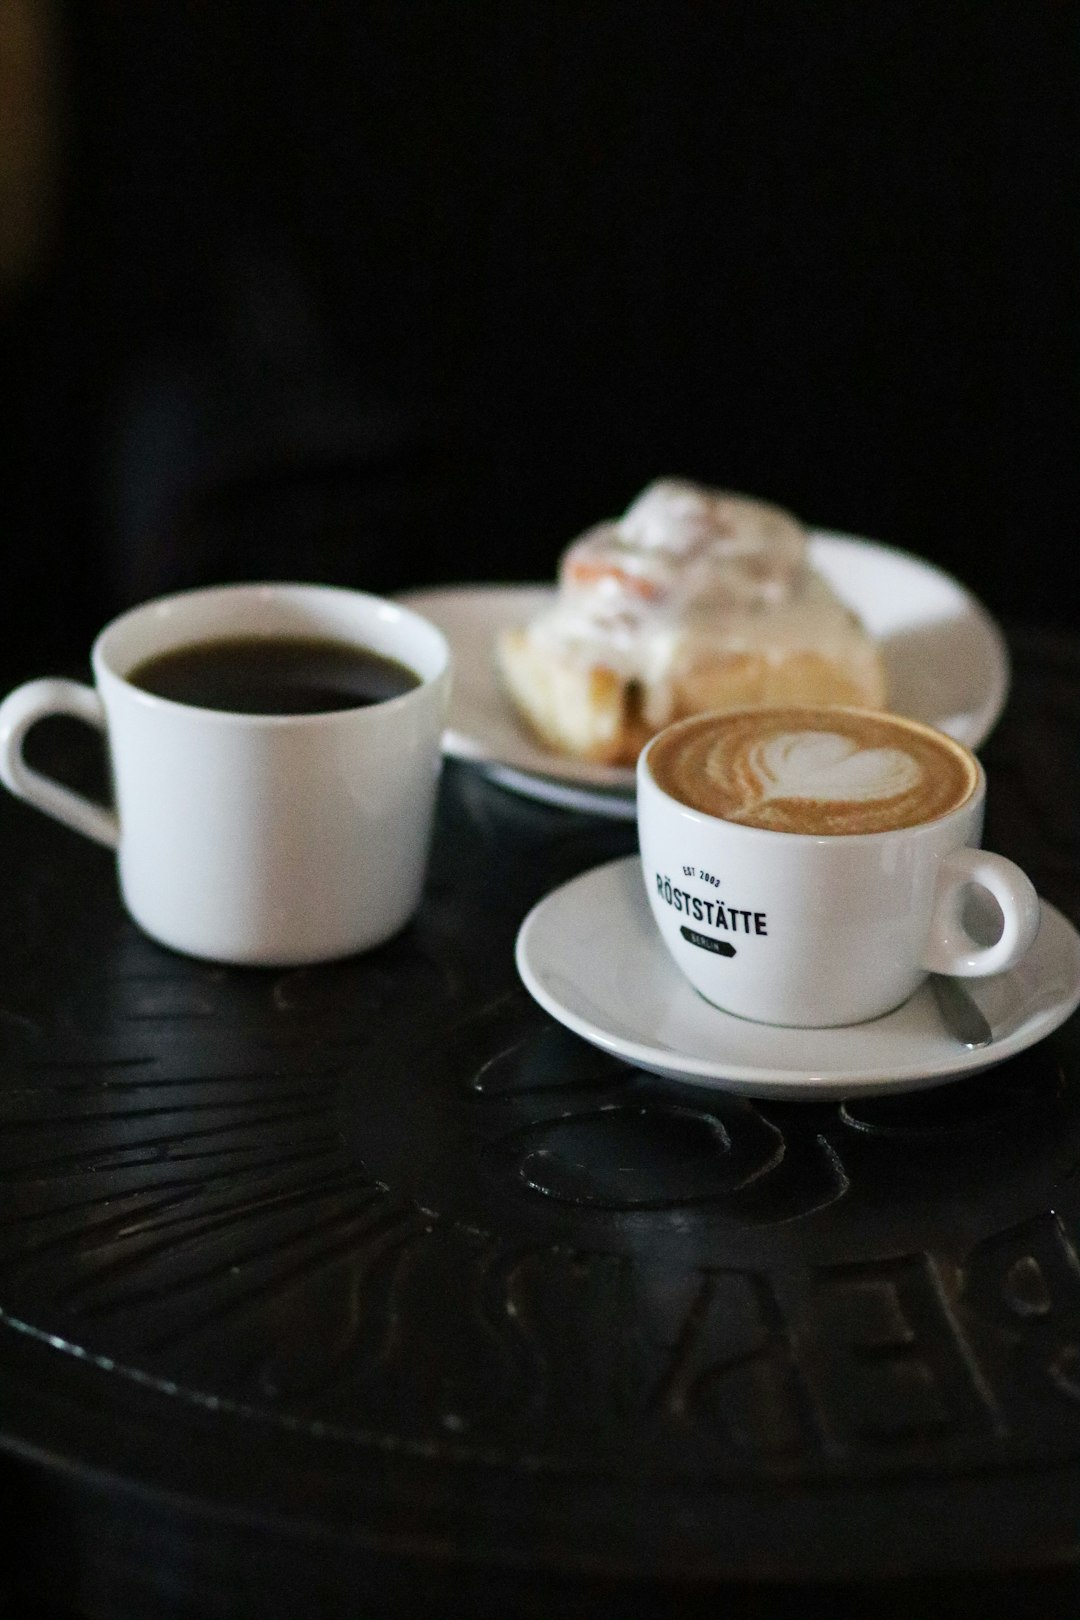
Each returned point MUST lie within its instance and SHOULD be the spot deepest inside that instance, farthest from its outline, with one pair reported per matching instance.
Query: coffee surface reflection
(274, 675)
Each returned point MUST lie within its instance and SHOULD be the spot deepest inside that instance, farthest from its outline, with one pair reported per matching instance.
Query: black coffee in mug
(274, 675)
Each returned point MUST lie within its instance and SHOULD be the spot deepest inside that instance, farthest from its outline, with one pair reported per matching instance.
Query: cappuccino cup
(275, 755)
(810, 866)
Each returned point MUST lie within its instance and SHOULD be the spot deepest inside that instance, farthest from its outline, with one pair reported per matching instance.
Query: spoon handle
(961, 1015)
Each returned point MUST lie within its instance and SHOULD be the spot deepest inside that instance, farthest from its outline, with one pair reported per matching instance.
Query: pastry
(694, 599)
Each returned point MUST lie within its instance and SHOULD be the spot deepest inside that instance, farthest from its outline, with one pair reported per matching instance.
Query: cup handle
(950, 948)
(21, 710)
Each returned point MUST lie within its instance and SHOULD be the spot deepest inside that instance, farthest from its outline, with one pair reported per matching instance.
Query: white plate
(591, 955)
(946, 659)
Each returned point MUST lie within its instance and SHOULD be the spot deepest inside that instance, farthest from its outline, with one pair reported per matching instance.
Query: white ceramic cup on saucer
(262, 838)
(809, 867)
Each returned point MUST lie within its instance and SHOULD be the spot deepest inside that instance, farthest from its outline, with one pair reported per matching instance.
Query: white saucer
(946, 658)
(590, 954)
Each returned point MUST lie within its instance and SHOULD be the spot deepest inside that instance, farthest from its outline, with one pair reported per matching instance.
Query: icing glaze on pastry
(689, 588)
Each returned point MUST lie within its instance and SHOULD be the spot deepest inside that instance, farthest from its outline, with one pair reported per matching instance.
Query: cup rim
(106, 675)
(646, 779)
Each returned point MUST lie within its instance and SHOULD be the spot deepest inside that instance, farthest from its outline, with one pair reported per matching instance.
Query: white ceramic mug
(798, 929)
(264, 839)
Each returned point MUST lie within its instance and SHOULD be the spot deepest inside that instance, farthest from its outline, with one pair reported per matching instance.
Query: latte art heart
(810, 770)
(825, 766)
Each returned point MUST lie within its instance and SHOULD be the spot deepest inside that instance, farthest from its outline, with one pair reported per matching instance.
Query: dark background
(410, 291)
(396, 292)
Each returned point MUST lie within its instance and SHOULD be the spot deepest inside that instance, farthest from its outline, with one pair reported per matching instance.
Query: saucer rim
(789, 1083)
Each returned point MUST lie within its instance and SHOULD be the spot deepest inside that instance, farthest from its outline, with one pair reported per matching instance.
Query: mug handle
(950, 948)
(21, 710)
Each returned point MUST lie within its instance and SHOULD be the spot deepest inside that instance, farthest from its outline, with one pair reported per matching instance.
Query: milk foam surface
(818, 771)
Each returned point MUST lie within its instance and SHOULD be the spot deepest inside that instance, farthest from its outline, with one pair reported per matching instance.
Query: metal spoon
(962, 1017)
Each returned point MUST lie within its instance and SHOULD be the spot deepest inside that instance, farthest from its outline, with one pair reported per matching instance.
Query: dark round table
(371, 1285)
